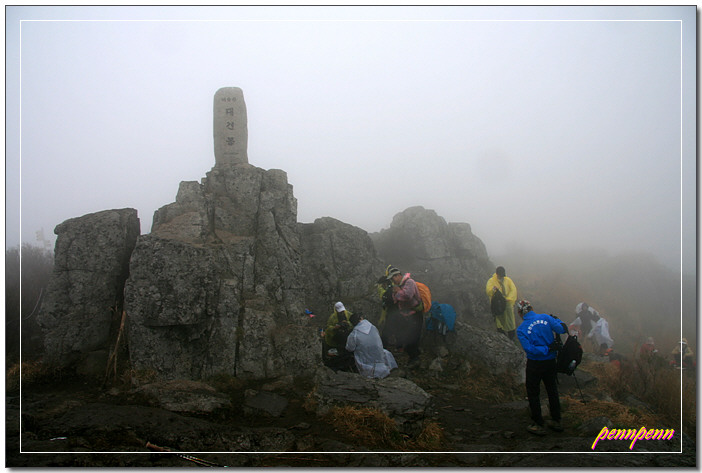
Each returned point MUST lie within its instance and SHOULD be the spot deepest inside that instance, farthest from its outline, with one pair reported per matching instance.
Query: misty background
(544, 128)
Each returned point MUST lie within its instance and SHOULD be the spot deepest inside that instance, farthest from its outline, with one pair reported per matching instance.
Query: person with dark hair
(372, 360)
(536, 334)
(499, 281)
(390, 318)
(589, 322)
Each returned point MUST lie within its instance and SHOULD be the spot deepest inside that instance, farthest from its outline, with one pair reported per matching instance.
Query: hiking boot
(536, 429)
(554, 425)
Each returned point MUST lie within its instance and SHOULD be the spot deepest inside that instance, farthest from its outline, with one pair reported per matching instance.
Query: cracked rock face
(216, 287)
(91, 261)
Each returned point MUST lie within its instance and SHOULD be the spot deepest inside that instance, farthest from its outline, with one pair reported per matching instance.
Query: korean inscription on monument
(230, 127)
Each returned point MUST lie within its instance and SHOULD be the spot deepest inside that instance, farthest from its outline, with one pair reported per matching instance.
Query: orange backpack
(425, 296)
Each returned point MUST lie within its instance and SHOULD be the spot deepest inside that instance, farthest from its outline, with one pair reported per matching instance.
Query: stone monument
(215, 287)
(230, 128)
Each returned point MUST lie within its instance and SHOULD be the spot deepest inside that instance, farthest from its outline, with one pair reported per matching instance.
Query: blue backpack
(442, 318)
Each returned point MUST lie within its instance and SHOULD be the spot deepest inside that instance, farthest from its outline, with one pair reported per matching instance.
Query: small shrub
(430, 438)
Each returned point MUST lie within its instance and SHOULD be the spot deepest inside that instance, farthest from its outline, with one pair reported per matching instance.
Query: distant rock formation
(447, 257)
(91, 265)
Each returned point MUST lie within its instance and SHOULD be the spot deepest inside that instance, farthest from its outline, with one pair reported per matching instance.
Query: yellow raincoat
(505, 321)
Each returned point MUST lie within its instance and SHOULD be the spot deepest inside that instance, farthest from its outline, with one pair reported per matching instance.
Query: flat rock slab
(185, 396)
(268, 402)
(394, 396)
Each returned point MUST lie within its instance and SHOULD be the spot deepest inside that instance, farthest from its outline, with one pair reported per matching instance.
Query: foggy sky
(542, 127)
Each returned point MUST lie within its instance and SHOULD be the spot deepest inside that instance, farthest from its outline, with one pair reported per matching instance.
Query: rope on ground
(196, 460)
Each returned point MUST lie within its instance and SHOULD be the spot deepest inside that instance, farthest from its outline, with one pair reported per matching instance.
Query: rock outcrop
(221, 284)
(84, 295)
(216, 287)
(339, 263)
(447, 257)
(491, 349)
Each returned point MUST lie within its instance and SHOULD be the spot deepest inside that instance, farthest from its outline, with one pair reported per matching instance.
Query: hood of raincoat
(364, 326)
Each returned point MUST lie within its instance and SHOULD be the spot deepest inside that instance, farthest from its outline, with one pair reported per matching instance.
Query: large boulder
(216, 287)
(394, 396)
(339, 263)
(494, 350)
(447, 257)
(85, 292)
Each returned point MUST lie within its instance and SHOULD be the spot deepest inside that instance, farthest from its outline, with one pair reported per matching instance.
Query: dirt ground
(73, 423)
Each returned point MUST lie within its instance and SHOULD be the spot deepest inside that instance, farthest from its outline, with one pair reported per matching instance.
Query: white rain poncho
(372, 360)
(600, 332)
(598, 328)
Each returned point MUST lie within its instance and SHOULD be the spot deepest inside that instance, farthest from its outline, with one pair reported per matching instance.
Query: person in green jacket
(500, 282)
(338, 327)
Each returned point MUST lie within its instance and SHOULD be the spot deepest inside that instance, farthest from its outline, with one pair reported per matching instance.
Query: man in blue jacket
(536, 334)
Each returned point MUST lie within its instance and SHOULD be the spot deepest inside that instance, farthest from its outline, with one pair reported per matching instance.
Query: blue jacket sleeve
(556, 325)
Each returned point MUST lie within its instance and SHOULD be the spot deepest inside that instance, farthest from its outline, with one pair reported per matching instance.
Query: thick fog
(542, 127)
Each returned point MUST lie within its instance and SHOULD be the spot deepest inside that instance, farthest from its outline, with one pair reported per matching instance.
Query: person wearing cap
(536, 334)
(683, 355)
(338, 326)
(372, 360)
(505, 322)
(409, 328)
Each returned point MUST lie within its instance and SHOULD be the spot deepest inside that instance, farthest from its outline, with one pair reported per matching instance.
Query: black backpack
(569, 356)
(342, 333)
(498, 303)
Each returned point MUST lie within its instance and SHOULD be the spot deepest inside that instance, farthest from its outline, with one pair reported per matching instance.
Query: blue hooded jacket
(536, 334)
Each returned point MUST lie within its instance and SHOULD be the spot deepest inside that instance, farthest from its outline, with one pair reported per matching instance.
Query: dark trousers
(537, 371)
(403, 332)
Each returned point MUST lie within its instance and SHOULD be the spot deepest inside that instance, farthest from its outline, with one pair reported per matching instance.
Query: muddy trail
(70, 423)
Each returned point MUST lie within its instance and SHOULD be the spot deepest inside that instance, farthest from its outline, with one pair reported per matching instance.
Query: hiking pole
(198, 461)
(578, 385)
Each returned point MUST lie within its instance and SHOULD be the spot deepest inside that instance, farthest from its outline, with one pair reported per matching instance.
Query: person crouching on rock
(536, 334)
(372, 360)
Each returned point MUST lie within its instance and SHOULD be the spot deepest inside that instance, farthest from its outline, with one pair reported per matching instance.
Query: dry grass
(31, 372)
(430, 438)
(371, 427)
(620, 414)
(656, 384)
(485, 386)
